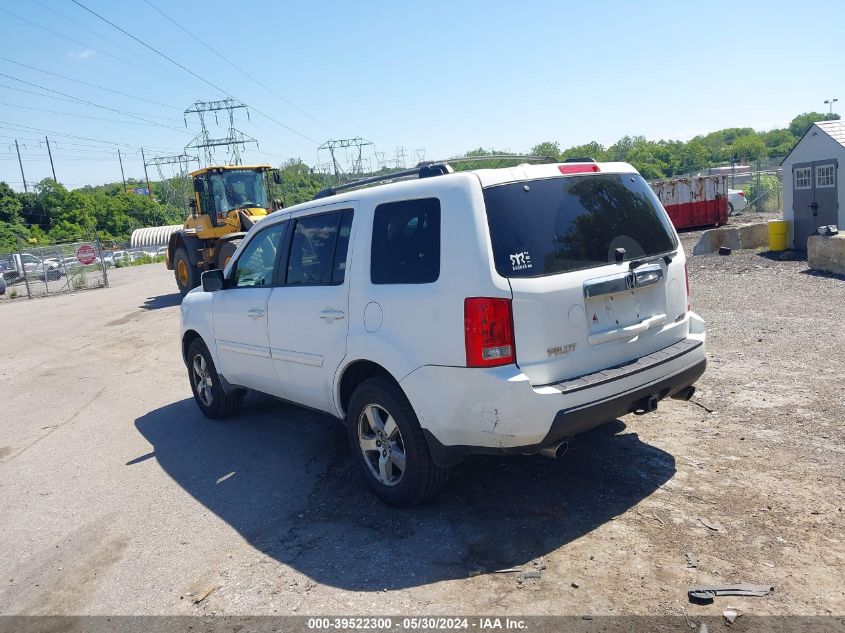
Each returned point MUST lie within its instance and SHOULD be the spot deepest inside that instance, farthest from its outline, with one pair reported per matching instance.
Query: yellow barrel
(777, 234)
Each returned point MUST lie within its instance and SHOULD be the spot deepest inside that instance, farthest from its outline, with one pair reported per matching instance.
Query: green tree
(547, 148)
(800, 124)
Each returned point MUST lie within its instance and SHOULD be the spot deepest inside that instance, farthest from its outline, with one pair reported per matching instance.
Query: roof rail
(425, 169)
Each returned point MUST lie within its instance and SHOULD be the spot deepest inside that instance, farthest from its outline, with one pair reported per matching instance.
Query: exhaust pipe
(684, 394)
(555, 451)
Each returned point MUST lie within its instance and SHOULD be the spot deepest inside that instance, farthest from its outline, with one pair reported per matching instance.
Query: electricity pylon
(234, 141)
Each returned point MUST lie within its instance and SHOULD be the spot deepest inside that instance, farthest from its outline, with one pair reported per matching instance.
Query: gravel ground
(117, 497)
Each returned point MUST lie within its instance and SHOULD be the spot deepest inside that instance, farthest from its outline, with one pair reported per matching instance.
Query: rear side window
(544, 227)
(318, 249)
(406, 242)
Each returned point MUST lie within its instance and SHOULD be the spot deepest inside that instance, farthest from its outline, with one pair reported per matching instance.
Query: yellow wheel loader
(228, 200)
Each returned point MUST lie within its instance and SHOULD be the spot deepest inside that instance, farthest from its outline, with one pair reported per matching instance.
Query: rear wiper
(636, 263)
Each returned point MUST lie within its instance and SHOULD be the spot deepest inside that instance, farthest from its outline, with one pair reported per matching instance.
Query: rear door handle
(330, 314)
(255, 313)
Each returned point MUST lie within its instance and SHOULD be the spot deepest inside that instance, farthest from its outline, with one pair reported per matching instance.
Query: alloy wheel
(202, 380)
(381, 444)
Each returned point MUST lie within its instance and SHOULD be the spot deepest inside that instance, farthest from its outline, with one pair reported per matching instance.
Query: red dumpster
(694, 201)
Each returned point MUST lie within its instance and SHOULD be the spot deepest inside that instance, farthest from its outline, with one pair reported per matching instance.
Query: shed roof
(834, 129)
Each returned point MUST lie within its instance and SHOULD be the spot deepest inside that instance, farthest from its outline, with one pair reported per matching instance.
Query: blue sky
(446, 77)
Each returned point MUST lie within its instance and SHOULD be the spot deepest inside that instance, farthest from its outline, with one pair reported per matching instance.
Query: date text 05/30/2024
(416, 624)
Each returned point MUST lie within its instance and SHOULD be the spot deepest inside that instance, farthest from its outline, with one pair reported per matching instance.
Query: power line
(88, 46)
(85, 83)
(83, 138)
(98, 34)
(82, 116)
(188, 70)
(239, 69)
(96, 105)
(155, 50)
(76, 145)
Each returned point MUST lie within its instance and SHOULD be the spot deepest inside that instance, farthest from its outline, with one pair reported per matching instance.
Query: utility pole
(830, 102)
(146, 176)
(50, 154)
(20, 162)
(122, 176)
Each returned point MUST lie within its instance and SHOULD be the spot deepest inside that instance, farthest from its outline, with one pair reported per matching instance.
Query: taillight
(578, 168)
(686, 276)
(742, 193)
(488, 332)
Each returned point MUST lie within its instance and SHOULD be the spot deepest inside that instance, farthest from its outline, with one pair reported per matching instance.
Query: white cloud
(81, 55)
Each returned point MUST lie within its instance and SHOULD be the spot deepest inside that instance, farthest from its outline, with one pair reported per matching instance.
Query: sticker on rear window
(521, 261)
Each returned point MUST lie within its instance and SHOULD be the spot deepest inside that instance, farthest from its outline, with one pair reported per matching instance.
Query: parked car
(489, 311)
(736, 201)
(117, 256)
(35, 267)
(161, 251)
(2, 284)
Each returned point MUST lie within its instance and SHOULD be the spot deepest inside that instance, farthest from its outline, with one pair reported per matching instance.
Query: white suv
(488, 311)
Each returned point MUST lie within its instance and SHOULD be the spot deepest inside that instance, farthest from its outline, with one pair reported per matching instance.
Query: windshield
(543, 227)
(235, 189)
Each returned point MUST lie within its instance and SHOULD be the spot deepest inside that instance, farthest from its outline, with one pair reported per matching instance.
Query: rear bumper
(465, 411)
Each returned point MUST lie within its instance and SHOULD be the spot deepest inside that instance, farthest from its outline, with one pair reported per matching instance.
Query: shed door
(815, 198)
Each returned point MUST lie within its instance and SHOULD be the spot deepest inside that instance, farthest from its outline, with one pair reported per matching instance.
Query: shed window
(802, 178)
(825, 176)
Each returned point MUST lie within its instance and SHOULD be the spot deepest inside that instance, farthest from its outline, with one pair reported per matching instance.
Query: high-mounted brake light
(578, 168)
(686, 277)
(488, 332)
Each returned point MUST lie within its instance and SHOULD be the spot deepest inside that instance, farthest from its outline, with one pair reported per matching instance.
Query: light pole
(829, 103)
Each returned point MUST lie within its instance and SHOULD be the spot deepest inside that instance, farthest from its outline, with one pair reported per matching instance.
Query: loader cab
(220, 191)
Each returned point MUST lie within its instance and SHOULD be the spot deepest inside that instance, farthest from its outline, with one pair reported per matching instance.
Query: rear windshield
(544, 227)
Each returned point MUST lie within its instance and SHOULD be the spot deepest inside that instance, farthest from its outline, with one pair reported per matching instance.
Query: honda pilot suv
(450, 313)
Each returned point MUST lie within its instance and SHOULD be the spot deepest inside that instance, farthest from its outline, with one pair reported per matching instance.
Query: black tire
(214, 402)
(225, 252)
(421, 479)
(730, 208)
(189, 278)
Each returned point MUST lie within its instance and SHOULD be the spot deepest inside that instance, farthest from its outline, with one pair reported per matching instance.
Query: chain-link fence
(760, 181)
(45, 270)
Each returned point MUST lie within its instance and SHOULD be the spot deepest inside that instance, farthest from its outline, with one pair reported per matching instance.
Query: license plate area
(624, 299)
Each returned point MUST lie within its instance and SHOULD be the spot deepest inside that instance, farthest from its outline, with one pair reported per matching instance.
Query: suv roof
(359, 189)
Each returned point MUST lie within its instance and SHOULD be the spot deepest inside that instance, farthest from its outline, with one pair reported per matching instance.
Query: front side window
(255, 266)
(234, 189)
(318, 249)
(556, 225)
(406, 242)
(825, 176)
(802, 178)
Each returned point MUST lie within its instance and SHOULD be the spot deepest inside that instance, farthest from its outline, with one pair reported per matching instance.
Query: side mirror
(277, 178)
(199, 186)
(213, 280)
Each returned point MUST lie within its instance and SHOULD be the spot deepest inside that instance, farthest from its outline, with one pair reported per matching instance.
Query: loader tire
(187, 275)
(224, 254)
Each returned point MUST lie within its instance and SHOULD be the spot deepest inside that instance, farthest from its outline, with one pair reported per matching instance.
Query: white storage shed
(812, 196)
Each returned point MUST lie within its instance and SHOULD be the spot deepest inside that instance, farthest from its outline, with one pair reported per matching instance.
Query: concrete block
(711, 240)
(754, 235)
(827, 253)
(748, 236)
